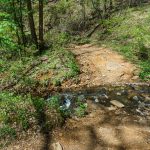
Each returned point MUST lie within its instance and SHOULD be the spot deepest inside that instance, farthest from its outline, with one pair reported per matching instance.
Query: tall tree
(41, 40)
(31, 22)
(17, 11)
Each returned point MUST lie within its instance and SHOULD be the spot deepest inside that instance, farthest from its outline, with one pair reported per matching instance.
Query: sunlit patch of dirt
(100, 65)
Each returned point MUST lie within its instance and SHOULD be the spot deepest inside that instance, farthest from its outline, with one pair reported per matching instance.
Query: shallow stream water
(135, 99)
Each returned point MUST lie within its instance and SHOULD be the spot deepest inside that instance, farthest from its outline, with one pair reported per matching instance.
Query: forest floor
(95, 75)
(103, 127)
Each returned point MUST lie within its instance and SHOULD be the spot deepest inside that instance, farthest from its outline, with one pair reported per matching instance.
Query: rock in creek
(111, 108)
(66, 104)
(56, 146)
(103, 96)
(135, 98)
(117, 103)
(118, 94)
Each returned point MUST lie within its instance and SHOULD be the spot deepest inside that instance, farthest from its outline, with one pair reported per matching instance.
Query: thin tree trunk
(111, 4)
(21, 23)
(15, 20)
(31, 22)
(41, 40)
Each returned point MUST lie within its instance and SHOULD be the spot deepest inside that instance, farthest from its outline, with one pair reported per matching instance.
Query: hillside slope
(128, 33)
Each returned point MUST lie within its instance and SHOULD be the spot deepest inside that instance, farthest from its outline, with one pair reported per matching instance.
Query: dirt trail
(103, 129)
(101, 65)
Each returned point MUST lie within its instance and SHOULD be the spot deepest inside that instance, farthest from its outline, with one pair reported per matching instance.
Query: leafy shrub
(7, 34)
(15, 109)
(80, 109)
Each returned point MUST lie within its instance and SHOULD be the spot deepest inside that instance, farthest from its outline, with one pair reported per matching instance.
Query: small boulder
(57, 146)
(95, 99)
(118, 94)
(135, 98)
(111, 108)
(117, 103)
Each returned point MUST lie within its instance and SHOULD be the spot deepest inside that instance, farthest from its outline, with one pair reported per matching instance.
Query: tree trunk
(16, 21)
(110, 4)
(21, 25)
(31, 22)
(41, 40)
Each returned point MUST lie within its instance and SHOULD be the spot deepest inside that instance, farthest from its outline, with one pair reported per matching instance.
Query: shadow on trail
(119, 129)
(45, 128)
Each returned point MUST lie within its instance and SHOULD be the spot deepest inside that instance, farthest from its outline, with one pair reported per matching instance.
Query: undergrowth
(19, 114)
(54, 66)
(22, 113)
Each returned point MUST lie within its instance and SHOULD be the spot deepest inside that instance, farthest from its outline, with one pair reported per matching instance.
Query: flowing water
(135, 98)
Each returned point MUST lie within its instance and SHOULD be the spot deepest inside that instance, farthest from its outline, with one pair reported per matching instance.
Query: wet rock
(118, 94)
(95, 99)
(103, 96)
(117, 103)
(66, 104)
(140, 112)
(111, 108)
(57, 146)
(135, 98)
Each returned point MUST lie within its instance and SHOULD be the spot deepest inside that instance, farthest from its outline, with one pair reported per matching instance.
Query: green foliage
(21, 113)
(7, 132)
(80, 109)
(7, 34)
(14, 109)
(56, 82)
(145, 73)
(54, 102)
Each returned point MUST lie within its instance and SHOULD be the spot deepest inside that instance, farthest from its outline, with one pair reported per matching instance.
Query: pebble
(96, 100)
(118, 93)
